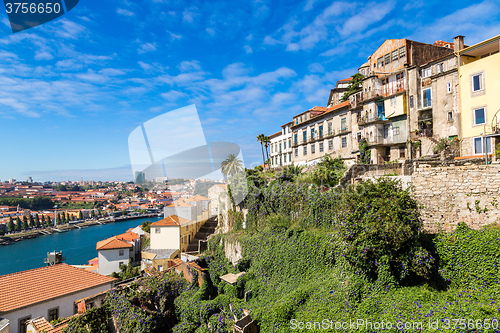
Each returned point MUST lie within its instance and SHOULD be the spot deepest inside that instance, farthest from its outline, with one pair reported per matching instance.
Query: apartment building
(281, 147)
(479, 79)
(320, 131)
(381, 107)
(336, 94)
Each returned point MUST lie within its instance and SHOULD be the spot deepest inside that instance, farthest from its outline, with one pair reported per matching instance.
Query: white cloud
(248, 49)
(147, 47)
(210, 31)
(189, 14)
(124, 12)
(173, 95)
(42, 55)
(189, 66)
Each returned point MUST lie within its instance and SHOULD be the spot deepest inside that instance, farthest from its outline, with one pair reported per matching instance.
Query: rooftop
(161, 253)
(111, 244)
(42, 284)
(171, 220)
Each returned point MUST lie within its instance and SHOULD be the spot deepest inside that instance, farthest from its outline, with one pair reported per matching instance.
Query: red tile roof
(345, 80)
(112, 243)
(171, 220)
(198, 197)
(42, 284)
(128, 236)
(441, 43)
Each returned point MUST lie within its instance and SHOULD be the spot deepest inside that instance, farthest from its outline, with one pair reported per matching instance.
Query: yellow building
(479, 75)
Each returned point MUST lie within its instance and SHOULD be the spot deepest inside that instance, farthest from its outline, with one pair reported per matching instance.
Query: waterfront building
(479, 72)
(48, 291)
(113, 253)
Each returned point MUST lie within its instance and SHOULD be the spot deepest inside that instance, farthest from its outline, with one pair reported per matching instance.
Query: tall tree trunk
(263, 158)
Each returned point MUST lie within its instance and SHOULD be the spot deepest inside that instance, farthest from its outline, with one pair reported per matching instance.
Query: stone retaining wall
(456, 193)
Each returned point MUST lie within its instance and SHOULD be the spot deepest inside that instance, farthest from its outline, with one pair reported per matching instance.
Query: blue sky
(73, 89)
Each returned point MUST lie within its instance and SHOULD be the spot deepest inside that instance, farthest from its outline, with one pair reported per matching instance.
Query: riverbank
(33, 233)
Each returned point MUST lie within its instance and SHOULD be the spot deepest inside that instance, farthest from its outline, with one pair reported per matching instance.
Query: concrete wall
(453, 194)
(65, 304)
(167, 238)
(109, 260)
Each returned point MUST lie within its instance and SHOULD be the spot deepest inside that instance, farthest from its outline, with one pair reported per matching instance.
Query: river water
(78, 246)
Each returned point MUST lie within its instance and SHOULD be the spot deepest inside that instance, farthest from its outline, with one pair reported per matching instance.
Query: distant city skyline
(72, 90)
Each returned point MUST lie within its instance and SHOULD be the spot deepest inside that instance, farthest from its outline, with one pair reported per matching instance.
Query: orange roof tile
(345, 80)
(41, 324)
(42, 284)
(180, 204)
(112, 243)
(128, 236)
(199, 198)
(171, 220)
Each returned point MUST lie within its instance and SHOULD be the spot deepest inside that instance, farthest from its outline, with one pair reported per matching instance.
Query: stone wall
(457, 193)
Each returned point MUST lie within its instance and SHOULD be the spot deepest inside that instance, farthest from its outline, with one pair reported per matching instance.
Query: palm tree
(267, 143)
(231, 166)
(261, 138)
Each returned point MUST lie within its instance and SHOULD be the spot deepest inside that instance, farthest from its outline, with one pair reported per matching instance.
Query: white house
(48, 291)
(112, 254)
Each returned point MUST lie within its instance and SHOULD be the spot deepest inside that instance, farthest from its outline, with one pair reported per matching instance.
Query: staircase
(202, 235)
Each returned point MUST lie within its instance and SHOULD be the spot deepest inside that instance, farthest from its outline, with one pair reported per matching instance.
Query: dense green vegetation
(317, 255)
(37, 203)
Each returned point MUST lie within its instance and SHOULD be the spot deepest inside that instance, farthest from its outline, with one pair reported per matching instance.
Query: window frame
(304, 152)
(330, 144)
(344, 142)
(157, 230)
(426, 72)
(49, 315)
(474, 123)
(402, 52)
(121, 252)
(481, 83)
(313, 148)
(482, 145)
(394, 55)
(423, 99)
(448, 87)
(321, 148)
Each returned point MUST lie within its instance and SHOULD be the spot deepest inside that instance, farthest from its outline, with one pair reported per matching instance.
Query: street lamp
(55, 216)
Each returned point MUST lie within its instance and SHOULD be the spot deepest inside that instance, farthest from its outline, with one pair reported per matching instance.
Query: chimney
(458, 43)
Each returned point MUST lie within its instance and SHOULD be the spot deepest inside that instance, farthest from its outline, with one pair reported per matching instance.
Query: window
(312, 133)
(187, 228)
(343, 124)
(395, 131)
(313, 148)
(284, 144)
(393, 101)
(402, 52)
(296, 152)
(120, 264)
(402, 152)
(320, 131)
(305, 150)
(477, 82)
(479, 116)
(289, 157)
(301, 119)
(330, 145)
(304, 136)
(280, 148)
(121, 253)
(426, 98)
(426, 72)
(387, 58)
(450, 116)
(386, 131)
(289, 143)
(359, 136)
(295, 138)
(479, 145)
(22, 324)
(439, 68)
(344, 142)
(448, 87)
(321, 147)
(53, 314)
(160, 268)
(380, 62)
(394, 55)
(157, 230)
(411, 101)
(329, 128)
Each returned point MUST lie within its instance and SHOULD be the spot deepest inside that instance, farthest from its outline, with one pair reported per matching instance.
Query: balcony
(295, 144)
(343, 130)
(358, 98)
(330, 134)
(393, 88)
(417, 134)
(365, 120)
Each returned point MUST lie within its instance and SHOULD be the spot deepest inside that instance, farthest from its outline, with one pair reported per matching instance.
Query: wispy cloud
(146, 47)
(124, 12)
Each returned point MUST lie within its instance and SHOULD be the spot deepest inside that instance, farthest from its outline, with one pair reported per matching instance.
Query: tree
(92, 213)
(267, 143)
(25, 223)
(37, 220)
(231, 166)
(354, 86)
(11, 225)
(261, 138)
(49, 220)
(31, 221)
(80, 215)
(43, 221)
(18, 224)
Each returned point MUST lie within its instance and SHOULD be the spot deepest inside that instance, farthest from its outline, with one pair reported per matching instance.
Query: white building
(48, 291)
(112, 254)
